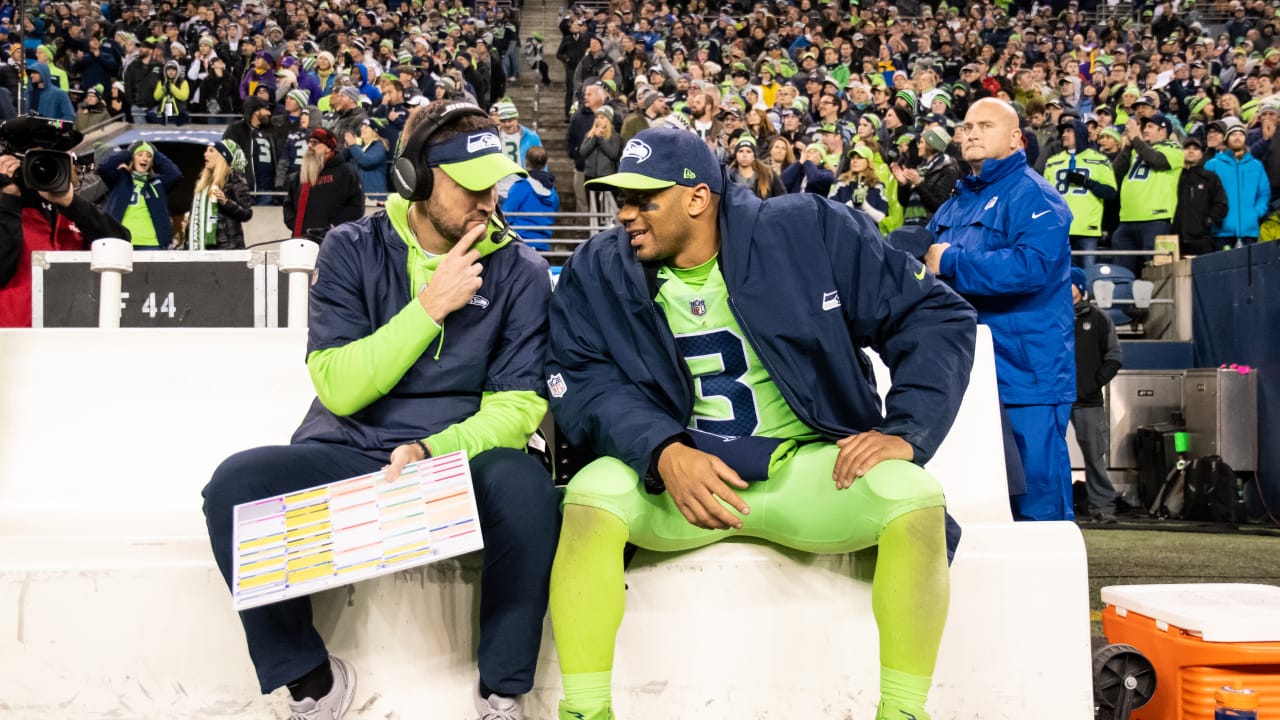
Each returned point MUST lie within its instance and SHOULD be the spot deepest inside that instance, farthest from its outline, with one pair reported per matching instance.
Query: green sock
(910, 595)
(587, 692)
(587, 602)
(904, 692)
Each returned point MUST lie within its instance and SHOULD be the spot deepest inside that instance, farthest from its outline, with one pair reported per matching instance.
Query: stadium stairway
(116, 610)
(551, 127)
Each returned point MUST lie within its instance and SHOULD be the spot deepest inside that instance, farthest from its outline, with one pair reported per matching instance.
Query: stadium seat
(118, 610)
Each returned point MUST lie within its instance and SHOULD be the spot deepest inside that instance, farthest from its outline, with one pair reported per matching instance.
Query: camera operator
(38, 221)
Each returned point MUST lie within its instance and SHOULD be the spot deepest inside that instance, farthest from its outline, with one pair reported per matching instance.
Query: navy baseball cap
(660, 157)
(1159, 121)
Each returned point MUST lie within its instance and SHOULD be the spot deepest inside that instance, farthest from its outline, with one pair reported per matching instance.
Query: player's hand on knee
(859, 453)
(401, 456)
(697, 483)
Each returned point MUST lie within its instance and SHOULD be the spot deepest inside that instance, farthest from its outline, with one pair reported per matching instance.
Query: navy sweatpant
(519, 517)
(1041, 435)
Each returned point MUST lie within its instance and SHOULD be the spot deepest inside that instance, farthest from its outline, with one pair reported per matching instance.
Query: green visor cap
(475, 160)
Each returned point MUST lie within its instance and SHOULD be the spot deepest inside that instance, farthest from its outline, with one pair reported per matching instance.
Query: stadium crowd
(1150, 121)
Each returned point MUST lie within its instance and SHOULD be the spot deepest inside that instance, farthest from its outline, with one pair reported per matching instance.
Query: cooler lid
(1217, 612)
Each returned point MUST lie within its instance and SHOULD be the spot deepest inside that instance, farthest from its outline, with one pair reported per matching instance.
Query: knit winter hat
(299, 96)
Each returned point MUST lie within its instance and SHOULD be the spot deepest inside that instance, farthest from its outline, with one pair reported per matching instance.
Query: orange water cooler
(1199, 638)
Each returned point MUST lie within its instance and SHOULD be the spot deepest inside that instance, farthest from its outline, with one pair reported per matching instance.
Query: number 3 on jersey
(718, 361)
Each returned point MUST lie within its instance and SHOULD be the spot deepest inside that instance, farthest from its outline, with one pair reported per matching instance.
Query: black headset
(411, 174)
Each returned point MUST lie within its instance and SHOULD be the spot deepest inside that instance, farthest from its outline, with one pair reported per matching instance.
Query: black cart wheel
(1123, 681)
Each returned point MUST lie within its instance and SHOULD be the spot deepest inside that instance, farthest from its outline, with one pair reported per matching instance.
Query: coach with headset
(428, 327)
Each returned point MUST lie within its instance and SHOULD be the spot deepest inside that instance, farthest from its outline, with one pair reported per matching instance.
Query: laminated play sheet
(350, 530)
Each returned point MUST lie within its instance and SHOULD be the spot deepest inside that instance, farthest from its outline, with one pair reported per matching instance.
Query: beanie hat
(300, 97)
(1078, 279)
(141, 146)
(874, 120)
(325, 137)
(937, 138)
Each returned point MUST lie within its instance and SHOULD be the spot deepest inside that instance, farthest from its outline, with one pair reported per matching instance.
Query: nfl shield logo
(698, 307)
(556, 385)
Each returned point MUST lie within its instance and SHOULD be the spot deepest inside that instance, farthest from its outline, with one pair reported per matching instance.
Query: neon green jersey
(1086, 208)
(734, 394)
(137, 218)
(1150, 194)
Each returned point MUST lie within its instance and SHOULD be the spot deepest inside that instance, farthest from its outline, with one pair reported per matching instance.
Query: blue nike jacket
(1010, 256)
(810, 283)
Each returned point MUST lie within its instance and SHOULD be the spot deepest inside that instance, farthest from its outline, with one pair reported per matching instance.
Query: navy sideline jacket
(810, 283)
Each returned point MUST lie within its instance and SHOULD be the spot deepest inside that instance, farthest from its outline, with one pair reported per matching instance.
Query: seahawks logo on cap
(483, 141)
(637, 149)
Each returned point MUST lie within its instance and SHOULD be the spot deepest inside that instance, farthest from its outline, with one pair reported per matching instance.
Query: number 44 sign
(167, 306)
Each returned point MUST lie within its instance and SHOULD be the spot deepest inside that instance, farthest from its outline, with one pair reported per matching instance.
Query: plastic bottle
(1233, 702)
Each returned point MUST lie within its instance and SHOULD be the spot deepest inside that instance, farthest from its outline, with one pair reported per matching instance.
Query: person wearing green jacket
(1084, 178)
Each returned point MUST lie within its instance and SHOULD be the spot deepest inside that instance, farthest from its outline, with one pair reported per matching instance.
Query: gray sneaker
(334, 705)
(496, 707)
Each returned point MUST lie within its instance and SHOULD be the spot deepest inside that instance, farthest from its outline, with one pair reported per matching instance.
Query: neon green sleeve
(505, 419)
(351, 377)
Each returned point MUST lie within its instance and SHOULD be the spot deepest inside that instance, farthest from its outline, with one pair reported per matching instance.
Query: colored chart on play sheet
(330, 535)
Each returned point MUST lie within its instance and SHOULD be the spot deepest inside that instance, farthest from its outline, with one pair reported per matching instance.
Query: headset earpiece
(411, 174)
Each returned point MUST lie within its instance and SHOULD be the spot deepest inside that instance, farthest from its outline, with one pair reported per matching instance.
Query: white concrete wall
(116, 610)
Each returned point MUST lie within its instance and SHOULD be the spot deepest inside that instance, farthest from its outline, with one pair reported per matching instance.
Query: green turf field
(1123, 556)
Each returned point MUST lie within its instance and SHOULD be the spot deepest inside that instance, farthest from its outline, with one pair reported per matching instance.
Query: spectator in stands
(859, 187)
(593, 98)
(535, 193)
(669, 483)
(220, 203)
(1002, 243)
(1098, 359)
(391, 112)
(259, 141)
(927, 187)
(140, 78)
(262, 72)
(748, 171)
(45, 98)
(1248, 191)
(347, 115)
(1148, 174)
(1084, 178)
(600, 149)
(781, 156)
(810, 173)
(516, 139)
(376, 349)
(325, 193)
(139, 180)
(219, 90)
(171, 94)
(92, 110)
(40, 222)
(1202, 202)
(533, 56)
(97, 67)
(573, 46)
(369, 156)
(649, 112)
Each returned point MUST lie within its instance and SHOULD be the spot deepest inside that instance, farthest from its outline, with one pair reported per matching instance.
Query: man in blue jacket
(1248, 190)
(1002, 243)
(715, 339)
